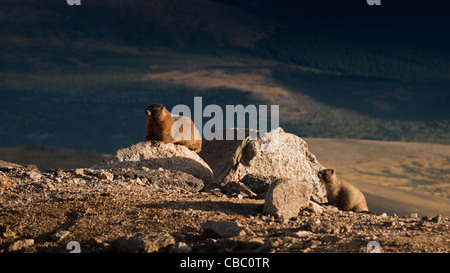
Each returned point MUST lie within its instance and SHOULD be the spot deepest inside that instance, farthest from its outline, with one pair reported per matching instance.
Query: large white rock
(276, 154)
(166, 156)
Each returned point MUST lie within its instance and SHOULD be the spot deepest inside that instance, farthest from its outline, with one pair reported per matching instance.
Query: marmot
(342, 194)
(159, 127)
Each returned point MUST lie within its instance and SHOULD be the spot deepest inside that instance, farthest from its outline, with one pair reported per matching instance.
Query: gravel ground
(164, 211)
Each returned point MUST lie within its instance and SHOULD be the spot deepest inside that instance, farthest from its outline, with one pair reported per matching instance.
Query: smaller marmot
(342, 194)
(160, 128)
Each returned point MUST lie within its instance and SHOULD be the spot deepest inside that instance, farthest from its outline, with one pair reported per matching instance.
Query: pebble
(59, 173)
(316, 208)
(314, 220)
(437, 219)
(222, 229)
(8, 233)
(302, 234)
(34, 175)
(50, 185)
(60, 235)
(18, 245)
(180, 247)
(147, 242)
(79, 171)
(139, 181)
(105, 176)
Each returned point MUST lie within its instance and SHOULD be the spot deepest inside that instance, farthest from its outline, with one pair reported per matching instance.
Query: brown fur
(342, 194)
(159, 128)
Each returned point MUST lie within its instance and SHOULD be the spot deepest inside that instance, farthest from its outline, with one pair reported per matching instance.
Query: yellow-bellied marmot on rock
(160, 127)
(342, 194)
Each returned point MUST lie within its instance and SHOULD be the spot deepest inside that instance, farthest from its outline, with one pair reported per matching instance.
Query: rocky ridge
(158, 208)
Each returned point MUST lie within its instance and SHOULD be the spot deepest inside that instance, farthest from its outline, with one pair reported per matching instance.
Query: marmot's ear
(332, 171)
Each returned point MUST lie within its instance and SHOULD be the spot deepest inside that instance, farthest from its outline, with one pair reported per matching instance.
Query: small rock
(79, 171)
(313, 221)
(105, 176)
(18, 245)
(256, 221)
(315, 243)
(32, 167)
(426, 224)
(302, 234)
(7, 232)
(286, 197)
(390, 223)
(329, 228)
(34, 175)
(413, 215)
(383, 215)
(238, 188)
(153, 241)
(180, 247)
(241, 244)
(257, 184)
(139, 181)
(60, 235)
(282, 221)
(437, 219)
(314, 207)
(225, 229)
(50, 185)
(99, 241)
(59, 173)
(178, 236)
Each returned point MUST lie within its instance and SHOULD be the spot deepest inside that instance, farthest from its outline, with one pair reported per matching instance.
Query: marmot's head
(327, 175)
(155, 111)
